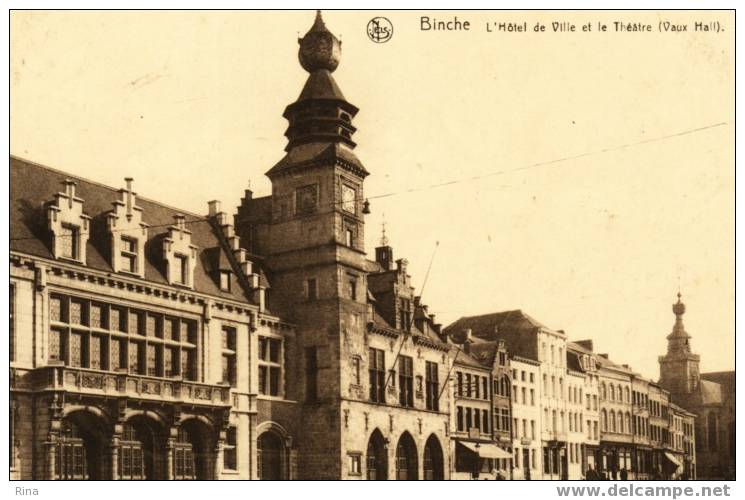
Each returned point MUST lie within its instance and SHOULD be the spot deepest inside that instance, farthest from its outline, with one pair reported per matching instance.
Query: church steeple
(679, 368)
(679, 341)
(321, 112)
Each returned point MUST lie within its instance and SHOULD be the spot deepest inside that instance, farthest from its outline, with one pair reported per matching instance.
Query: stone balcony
(100, 383)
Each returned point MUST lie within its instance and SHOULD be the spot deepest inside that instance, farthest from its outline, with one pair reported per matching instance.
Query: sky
(595, 170)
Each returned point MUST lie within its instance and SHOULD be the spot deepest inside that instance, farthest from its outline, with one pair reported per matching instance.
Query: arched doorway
(377, 459)
(141, 450)
(191, 451)
(433, 466)
(271, 457)
(80, 453)
(407, 465)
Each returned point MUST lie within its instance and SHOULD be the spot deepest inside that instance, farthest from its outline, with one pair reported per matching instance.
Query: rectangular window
(188, 364)
(230, 457)
(153, 361)
(311, 374)
(270, 366)
(129, 254)
(476, 387)
(69, 241)
(355, 464)
(356, 369)
(406, 381)
(96, 316)
(96, 362)
(432, 386)
(56, 345)
(225, 281)
(459, 420)
(182, 270)
(76, 349)
(459, 387)
(468, 385)
(352, 282)
(377, 375)
(349, 237)
(485, 421)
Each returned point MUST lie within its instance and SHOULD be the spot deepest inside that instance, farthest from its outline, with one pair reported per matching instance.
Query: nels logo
(379, 29)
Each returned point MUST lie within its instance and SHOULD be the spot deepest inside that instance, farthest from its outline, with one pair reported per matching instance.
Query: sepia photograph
(372, 245)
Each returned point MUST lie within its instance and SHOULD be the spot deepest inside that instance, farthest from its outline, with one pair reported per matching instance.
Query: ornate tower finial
(383, 237)
(679, 308)
(319, 48)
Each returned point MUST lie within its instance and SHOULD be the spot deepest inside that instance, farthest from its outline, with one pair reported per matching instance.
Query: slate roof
(306, 155)
(321, 85)
(469, 359)
(33, 185)
(515, 327)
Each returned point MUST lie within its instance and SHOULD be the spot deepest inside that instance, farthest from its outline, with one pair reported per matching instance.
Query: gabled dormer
(68, 224)
(179, 255)
(127, 233)
(244, 267)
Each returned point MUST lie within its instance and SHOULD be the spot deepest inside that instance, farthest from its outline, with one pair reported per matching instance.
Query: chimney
(467, 340)
(214, 207)
(401, 265)
(180, 221)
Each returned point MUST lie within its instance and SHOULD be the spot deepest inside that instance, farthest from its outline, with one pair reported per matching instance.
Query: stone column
(218, 458)
(169, 459)
(51, 449)
(114, 453)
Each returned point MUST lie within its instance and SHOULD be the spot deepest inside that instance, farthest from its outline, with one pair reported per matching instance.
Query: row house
(528, 339)
(581, 360)
(481, 439)
(681, 447)
(527, 412)
(134, 336)
(637, 426)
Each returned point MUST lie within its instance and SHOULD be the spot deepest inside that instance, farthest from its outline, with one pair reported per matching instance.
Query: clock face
(306, 199)
(348, 198)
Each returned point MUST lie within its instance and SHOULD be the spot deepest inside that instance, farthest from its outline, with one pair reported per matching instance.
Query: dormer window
(69, 242)
(127, 232)
(179, 255)
(225, 281)
(68, 225)
(182, 269)
(129, 254)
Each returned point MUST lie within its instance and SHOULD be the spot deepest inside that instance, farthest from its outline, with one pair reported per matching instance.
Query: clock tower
(310, 235)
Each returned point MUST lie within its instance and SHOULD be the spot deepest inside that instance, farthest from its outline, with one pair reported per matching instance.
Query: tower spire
(321, 113)
(383, 237)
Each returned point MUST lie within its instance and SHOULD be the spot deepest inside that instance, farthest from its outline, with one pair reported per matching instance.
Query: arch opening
(377, 459)
(433, 460)
(407, 464)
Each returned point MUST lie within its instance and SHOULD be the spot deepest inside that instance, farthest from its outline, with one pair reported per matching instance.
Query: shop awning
(486, 450)
(673, 459)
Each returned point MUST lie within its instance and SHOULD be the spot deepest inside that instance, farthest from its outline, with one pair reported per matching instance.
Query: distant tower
(679, 367)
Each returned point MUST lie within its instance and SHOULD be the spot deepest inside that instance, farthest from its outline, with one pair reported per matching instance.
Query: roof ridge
(105, 186)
